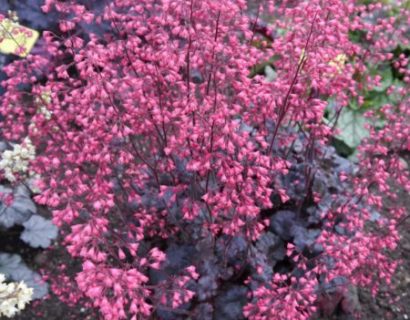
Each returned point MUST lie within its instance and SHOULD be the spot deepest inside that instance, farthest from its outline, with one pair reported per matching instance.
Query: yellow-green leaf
(16, 39)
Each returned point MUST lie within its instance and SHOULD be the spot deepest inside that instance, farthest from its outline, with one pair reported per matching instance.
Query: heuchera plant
(190, 186)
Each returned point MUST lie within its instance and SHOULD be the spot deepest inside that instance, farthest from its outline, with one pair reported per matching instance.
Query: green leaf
(270, 73)
(351, 124)
(375, 101)
(387, 80)
(353, 105)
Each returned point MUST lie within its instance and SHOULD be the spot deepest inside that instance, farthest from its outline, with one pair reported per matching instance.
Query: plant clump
(187, 183)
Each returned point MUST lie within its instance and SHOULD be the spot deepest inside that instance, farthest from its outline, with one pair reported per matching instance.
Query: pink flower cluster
(156, 127)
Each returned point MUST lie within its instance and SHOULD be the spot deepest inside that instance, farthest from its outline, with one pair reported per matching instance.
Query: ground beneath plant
(393, 304)
(389, 304)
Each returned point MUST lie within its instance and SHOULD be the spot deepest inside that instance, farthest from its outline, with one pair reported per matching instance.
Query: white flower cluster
(43, 101)
(45, 112)
(17, 160)
(13, 297)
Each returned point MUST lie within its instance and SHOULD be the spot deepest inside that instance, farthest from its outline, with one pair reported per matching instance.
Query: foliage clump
(190, 186)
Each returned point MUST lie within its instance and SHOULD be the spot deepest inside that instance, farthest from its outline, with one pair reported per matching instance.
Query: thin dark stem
(284, 108)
